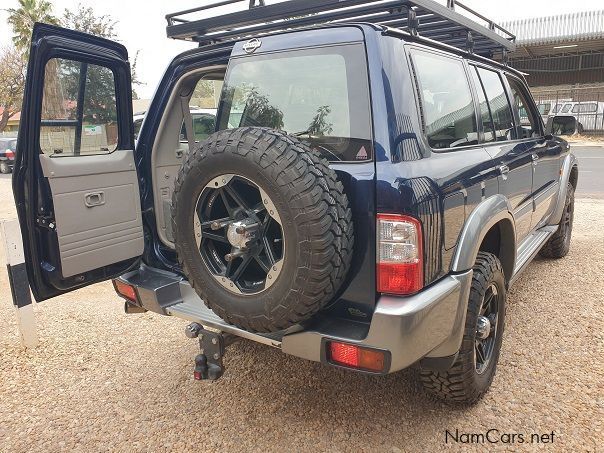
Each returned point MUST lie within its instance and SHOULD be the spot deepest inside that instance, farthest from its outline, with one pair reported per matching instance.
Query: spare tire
(262, 228)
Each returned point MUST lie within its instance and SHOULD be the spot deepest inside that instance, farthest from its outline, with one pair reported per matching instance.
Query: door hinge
(46, 222)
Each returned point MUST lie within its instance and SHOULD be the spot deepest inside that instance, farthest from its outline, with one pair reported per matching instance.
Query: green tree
(23, 18)
(84, 19)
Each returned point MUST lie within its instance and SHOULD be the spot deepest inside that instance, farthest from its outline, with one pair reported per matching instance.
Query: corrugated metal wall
(566, 49)
(572, 27)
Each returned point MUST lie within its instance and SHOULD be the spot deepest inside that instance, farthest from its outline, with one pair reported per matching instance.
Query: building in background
(12, 127)
(563, 57)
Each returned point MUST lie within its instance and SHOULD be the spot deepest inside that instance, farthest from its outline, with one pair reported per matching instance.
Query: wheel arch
(569, 173)
(491, 228)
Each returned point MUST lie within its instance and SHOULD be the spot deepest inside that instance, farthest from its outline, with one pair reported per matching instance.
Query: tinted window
(544, 108)
(79, 110)
(320, 95)
(498, 103)
(566, 108)
(447, 105)
(204, 125)
(521, 101)
(590, 107)
(137, 127)
(485, 112)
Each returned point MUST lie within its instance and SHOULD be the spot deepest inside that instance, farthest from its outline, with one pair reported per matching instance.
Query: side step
(530, 247)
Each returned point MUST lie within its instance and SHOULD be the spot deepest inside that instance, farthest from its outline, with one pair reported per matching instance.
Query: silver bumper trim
(428, 324)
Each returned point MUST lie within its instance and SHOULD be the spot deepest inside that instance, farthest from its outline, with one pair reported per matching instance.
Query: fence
(585, 104)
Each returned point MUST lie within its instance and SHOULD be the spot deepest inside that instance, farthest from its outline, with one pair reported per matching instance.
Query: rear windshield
(320, 95)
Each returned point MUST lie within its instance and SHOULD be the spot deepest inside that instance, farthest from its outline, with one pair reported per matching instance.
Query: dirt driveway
(105, 381)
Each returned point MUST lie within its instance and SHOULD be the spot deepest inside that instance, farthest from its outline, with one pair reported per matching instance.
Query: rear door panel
(96, 206)
(75, 181)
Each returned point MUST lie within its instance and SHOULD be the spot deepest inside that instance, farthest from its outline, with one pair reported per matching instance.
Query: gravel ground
(105, 381)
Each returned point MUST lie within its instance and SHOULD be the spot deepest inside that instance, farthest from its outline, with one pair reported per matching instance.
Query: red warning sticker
(362, 154)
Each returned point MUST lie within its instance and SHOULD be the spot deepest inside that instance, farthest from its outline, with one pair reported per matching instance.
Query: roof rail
(424, 18)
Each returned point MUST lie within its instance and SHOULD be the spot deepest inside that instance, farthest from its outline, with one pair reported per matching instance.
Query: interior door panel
(97, 209)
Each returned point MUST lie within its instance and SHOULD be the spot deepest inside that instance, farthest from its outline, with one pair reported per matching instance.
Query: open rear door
(75, 180)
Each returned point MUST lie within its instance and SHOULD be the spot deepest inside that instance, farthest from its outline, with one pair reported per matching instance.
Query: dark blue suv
(367, 198)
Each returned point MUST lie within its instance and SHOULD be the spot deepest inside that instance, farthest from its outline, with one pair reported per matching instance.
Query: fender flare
(570, 161)
(487, 214)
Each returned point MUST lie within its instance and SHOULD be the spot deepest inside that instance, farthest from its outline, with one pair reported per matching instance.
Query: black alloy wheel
(239, 234)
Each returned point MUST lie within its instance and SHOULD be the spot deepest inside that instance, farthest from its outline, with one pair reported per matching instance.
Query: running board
(530, 247)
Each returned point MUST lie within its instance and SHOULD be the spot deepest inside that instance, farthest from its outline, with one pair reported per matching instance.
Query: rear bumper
(424, 326)
(429, 324)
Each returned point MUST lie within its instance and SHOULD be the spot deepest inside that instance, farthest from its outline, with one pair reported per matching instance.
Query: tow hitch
(208, 363)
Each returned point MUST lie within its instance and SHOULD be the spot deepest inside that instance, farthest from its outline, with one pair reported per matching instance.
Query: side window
(544, 109)
(590, 107)
(79, 110)
(501, 112)
(204, 106)
(521, 101)
(485, 111)
(138, 123)
(447, 105)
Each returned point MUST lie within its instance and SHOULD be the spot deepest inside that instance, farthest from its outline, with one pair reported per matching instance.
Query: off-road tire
(316, 221)
(462, 384)
(559, 244)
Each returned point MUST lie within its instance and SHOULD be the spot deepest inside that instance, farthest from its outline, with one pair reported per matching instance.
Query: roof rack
(424, 18)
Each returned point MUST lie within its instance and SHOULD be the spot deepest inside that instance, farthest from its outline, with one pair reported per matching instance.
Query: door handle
(504, 170)
(535, 157)
(94, 199)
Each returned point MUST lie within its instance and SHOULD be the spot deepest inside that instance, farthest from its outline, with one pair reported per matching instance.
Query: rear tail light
(353, 356)
(400, 267)
(126, 291)
(9, 153)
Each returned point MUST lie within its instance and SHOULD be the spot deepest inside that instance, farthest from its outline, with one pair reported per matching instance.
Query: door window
(79, 110)
(447, 105)
(521, 102)
(501, 112)
(485, 111)
(544, 109)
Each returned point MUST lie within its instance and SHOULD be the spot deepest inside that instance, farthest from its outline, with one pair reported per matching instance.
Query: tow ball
(208, 363)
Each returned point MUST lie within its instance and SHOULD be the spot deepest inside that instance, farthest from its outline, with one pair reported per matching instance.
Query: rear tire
(559, 244)
(472, 373)
(4, 167)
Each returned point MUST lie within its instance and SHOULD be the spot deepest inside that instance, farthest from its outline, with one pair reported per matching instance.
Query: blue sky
(141, 24)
